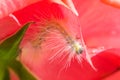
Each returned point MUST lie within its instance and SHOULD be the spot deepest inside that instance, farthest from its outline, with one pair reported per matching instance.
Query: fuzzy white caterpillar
(55, 38)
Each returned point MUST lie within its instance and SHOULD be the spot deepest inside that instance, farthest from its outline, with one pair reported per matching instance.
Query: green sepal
(4, 73)
(21, 71)
(9, 48)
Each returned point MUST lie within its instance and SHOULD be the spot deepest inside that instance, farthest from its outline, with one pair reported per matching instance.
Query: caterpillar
(47, 28)
(57, 40)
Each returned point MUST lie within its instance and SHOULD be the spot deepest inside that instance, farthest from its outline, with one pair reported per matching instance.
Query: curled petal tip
(68, 4)
(114, 3)
(17, 21)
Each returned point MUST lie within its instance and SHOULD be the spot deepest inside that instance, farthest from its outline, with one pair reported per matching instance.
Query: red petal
(39, 11)
(100, 23)
(7, 27)
(9, 6)
(106, 63)
(111, 56)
